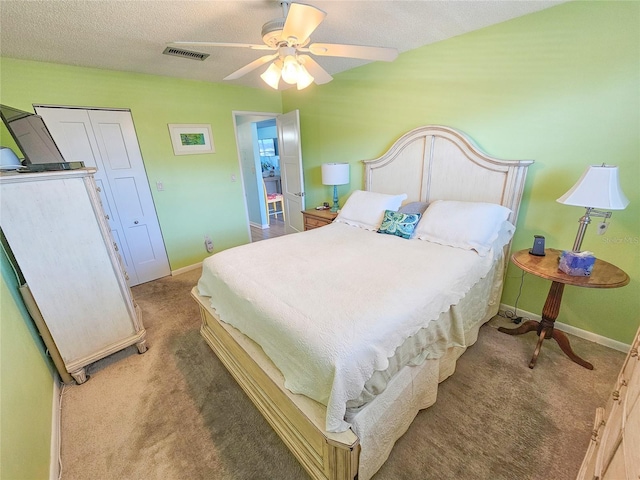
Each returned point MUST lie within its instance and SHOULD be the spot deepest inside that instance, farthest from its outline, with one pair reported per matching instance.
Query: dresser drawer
(311, 222)
(613, 452)
(317, 218)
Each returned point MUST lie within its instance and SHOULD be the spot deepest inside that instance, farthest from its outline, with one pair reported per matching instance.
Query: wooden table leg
(541, 337)
(526, 327)
(563, 342)
(545, 328)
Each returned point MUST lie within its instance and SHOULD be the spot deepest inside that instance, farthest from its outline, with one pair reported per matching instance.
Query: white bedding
(281, 294)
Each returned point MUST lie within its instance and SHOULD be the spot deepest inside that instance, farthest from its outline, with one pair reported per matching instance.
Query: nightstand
(317, 218)
(604, 275)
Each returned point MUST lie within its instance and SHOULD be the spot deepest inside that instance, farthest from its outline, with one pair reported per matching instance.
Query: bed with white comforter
(341, 334)
(330, 306)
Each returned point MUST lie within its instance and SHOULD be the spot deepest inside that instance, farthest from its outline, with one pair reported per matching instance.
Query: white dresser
(56, 229)
(614, 450)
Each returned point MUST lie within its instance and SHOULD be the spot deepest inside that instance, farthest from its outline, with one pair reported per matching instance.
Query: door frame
(235, 114)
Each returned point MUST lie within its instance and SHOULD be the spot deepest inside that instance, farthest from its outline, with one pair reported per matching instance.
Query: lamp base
(335, 207)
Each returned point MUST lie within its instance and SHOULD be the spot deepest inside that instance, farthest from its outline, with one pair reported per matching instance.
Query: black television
(34, 141)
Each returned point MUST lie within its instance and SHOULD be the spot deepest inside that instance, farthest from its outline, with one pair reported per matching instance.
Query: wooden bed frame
(428, 163)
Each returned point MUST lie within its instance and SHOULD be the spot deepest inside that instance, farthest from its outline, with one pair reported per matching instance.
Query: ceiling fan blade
(301, 21)
(251, 66)
(318, 73)
(354, 51)
(217, 44)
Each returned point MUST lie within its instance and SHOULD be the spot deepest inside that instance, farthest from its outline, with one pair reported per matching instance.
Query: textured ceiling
(131, 35)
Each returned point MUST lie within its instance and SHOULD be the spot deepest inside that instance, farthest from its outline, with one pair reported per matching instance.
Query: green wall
(560, 86)
(26, 389)
(199, 197)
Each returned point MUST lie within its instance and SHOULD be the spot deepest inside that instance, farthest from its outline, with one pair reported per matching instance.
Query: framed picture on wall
(190, 139)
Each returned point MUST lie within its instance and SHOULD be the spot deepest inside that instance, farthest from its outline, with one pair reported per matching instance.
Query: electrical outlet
(160, 186)
(208, 243)
(233, 178)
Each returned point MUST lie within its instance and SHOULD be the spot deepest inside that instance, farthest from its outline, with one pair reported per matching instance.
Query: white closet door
(106, 140)
(123, 164)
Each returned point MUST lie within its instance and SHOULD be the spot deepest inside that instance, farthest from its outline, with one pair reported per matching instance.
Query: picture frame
(191, 139)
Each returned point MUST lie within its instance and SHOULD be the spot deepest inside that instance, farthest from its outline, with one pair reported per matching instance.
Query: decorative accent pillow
(400, 224)
(365, 209)
(467, 225)
(414, 207)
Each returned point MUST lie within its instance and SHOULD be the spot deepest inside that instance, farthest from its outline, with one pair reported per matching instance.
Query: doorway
(106, 140)
(259, 140)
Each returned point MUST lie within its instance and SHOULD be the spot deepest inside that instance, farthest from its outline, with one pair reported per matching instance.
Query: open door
(288, 127)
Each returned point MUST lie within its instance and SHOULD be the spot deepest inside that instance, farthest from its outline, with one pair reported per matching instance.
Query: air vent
(177, 52)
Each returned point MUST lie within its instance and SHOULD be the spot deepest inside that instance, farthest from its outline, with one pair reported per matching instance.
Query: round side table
(603, 275)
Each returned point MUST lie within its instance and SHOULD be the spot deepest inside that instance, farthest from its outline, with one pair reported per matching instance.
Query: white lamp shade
(8, 158)
(271, 76)
(290, 70)
(599, 187)
(304, 78)
(335, 173)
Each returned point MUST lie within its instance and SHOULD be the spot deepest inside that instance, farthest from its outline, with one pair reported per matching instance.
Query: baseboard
(195, 266)
(262, 226)
(54, 464)
(578, 332)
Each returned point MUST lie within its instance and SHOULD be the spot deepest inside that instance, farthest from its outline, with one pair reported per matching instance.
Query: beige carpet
(175, 413)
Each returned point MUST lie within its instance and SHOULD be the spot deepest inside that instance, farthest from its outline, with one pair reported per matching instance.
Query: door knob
(299, 194)
(135, 222)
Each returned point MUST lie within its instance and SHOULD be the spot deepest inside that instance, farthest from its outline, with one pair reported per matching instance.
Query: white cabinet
(57, 231)
(614, 450)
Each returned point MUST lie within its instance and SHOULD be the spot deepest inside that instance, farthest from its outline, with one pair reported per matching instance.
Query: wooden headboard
(440, 163)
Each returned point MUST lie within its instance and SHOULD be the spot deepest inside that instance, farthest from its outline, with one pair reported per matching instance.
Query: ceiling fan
(289, 38)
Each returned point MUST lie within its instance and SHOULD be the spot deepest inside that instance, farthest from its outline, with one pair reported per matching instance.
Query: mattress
(331, 306)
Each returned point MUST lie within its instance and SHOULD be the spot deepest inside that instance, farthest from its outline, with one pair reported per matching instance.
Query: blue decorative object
(399, 224)
(577, 264)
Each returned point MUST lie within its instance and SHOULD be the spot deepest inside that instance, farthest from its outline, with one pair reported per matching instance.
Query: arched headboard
(440, 163)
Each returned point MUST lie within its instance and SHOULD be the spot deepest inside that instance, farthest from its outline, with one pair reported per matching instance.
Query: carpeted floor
(175, 413)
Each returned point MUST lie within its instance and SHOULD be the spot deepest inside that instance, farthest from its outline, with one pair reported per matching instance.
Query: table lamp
(8, 159)
(598, 189)
(335, 174)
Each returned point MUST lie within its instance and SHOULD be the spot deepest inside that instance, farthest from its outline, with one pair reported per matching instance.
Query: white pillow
(467, 225)
(504, 236)
(366, 209)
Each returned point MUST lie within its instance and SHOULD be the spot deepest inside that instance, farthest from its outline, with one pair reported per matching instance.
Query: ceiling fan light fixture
(271, 75)
(304, 78)
(290, 70)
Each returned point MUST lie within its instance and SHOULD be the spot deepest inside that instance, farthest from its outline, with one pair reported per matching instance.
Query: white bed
(349, 303)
